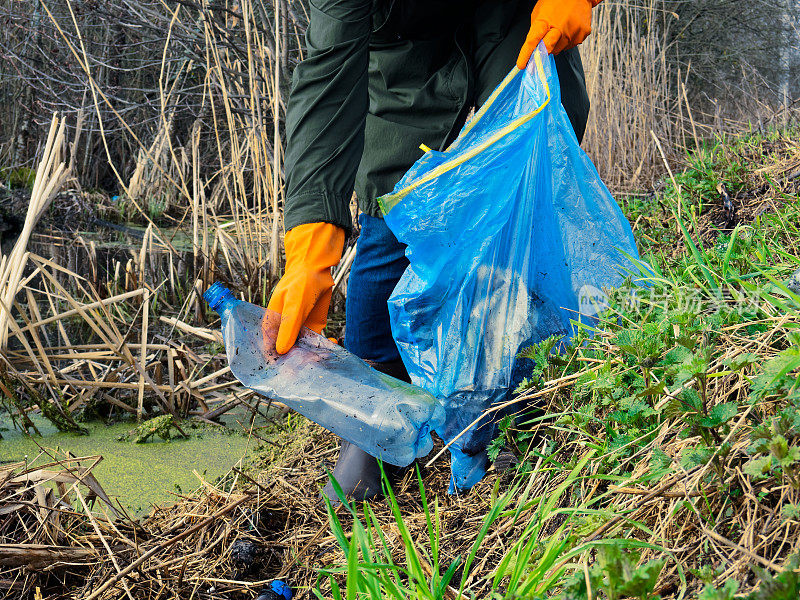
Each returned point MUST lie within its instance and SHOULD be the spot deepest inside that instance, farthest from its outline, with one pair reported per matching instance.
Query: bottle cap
(279, 587)
(277, 590)
(216, 295)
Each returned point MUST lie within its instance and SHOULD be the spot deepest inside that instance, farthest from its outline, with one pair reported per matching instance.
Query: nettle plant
(616, 574)
(669, 352)
(779, 378)
(775, 450)
(692, 408)
(541, 361)
(544, 361)
(775, 444)
(782, 586)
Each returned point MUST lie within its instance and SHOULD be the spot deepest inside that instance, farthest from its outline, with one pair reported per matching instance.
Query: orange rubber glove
(303, 295)
(562, 24)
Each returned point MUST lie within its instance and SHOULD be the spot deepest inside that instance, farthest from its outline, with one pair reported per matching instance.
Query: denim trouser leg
(379, 263)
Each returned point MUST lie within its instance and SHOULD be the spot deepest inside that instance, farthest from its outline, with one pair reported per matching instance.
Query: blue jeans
(379, 263)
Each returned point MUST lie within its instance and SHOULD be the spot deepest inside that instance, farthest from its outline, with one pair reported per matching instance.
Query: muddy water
(140, 475)
(102, 255)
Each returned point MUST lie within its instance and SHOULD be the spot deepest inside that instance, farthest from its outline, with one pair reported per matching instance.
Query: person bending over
(381, 77)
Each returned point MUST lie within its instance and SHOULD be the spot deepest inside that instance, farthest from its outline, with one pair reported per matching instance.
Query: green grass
(533, 566)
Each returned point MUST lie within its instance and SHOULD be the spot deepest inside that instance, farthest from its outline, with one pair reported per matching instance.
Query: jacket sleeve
(326, 114)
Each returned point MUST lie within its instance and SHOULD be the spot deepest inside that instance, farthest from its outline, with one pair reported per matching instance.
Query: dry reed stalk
(143, 352)
(50, 176)
(60, 317)
(343, 268)
(211, 335)
(254, 206)
(87, 370)
(196, 187)
(630, 89)
(99, 533)
(276, 145)
(677, 187)
(80, 119)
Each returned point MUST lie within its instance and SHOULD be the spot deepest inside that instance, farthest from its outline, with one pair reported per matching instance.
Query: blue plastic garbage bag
(510, 234)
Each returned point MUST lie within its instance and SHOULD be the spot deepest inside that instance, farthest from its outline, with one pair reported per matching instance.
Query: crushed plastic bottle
(386, 417)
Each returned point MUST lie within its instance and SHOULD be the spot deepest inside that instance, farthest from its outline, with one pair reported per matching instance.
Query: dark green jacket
(381, 77)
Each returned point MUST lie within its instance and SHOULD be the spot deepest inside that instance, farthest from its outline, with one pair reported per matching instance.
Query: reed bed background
(151, 79)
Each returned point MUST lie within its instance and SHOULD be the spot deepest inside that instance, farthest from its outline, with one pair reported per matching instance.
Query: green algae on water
(139, 475)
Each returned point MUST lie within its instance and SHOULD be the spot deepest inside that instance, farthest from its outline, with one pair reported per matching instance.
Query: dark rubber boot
(357, 472)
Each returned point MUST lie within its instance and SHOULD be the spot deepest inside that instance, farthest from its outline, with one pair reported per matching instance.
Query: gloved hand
(562, 24)
(303, 294)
